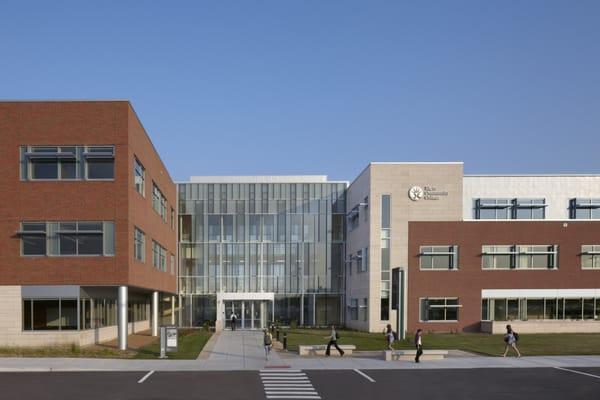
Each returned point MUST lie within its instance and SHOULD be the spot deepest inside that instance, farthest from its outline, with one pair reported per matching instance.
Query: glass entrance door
(251, 314)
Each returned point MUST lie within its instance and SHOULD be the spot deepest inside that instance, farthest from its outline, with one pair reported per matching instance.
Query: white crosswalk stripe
(287, 384)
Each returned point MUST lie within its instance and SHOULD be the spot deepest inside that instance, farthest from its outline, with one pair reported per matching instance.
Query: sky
(324, 87)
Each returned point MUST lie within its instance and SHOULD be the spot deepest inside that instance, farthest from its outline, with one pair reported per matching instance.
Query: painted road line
(145, 377)
(578, 372)
(367, 377)
(283, 377)
(291, 396)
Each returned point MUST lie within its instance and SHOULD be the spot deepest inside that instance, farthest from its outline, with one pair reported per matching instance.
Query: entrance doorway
(251, 314)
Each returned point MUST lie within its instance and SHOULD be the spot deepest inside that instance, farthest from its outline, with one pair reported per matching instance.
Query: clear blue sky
(324, 87)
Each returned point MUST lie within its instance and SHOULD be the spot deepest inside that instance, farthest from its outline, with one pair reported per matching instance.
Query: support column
(172, 310)
(122, 317)
(155, 313)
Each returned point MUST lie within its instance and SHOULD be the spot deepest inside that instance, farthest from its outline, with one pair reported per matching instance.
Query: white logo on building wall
(416, 193)
(426, 193)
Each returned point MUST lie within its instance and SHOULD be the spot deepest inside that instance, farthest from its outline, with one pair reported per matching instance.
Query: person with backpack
(390, 337)
(419, 344)
(267, 342)
(233, 319)
(510, 340)
(333, 338)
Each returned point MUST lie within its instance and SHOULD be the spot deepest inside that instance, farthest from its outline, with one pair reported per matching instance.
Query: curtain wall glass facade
(281, 238)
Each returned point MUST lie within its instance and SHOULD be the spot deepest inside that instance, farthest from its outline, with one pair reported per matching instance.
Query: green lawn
(529, 344)
(64, 351)
(191, 342)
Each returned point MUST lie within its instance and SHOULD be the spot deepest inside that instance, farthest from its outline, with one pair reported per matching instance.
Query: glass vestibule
(251, 314)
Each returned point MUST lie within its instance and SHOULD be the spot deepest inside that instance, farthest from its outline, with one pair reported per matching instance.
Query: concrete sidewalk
(243, 350)
(226, 362)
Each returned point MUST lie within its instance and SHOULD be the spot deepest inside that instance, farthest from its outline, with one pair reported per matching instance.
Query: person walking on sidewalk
(267, 342)
(510, 340)
(389, 337)
(419, 344)
(333, 338)
(233, 319)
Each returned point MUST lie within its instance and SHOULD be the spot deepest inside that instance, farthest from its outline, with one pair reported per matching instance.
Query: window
(363, 309)
(172, 264)
(385, 231)
(438, 257)
(353, 308)
(519, 257)
(363, 259)
(139, 177)
(33, 238)
(99, 162)
(493, 208)
(439, 309)
(510, 208)
(159, 202)
(67, 162)
(67, 238)
(529, 208)
(353, 218)
(584, 208)
(49, 162)
(139, 245)
(49, 314)
(590, 256)
(497, 257)
(80, 238)
(159, 256)
(503, 309)
(172, 218)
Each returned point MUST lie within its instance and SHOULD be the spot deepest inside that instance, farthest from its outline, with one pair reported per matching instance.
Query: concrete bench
(319, 349)
(389, 355)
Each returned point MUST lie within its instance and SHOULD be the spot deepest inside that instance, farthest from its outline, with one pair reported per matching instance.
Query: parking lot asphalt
(489, 384)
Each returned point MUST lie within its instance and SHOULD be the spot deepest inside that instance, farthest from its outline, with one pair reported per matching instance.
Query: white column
(172, 310)
(122, 317)
(155, 313)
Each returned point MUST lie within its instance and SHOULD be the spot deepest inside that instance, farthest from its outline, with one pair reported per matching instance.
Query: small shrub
(293, 324)
(75, 349)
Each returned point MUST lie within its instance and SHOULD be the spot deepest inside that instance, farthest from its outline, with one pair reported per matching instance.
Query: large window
(385, 235)
(139, 245)
(159, 256)
(159, 202)
(439, 309)
(590, 256)
(518, 208)
(584, 208)
(68, 238)
(139, 177)
(438, 257)
(508, 309)
(49, 314)
(519, 257)
(67, 162)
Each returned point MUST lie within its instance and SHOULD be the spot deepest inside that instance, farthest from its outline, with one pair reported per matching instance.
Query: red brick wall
(66, 123)
(467, 282)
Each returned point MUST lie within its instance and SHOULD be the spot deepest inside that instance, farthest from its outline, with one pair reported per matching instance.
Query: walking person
(233, 319)
(389, 337)
(267, 342)
(333, 338)
(419, 344)
(510, 339)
